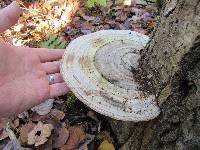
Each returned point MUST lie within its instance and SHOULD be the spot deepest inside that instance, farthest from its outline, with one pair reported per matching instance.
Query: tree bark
(172, 60)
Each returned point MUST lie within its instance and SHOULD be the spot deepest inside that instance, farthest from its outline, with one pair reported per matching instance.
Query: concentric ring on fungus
(98, 69)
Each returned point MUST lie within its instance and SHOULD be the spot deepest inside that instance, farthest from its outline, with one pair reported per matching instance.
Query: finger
(48, 54)
(9, 16)
(58, 89)
(51, 67)
(57, 78)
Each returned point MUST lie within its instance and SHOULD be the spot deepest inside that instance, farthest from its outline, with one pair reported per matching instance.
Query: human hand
(24, 71)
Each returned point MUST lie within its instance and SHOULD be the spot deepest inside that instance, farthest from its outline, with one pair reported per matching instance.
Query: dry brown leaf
(83, 147)
(25, 129)
(40, 133)
(35, 117)
(87, 25)
(105, 145)
(3, 122)
(14, 145)
(88, 18)
(76, 137)
(45, 107)
(59, 115)
(92, 115)
(48, 145)
(119, 7)
(14, 123)
(105, 135)
(23, 115)
(60, 137)
(140, 30)
(3, 134)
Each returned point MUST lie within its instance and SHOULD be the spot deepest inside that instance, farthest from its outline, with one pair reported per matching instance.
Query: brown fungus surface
(98, 69)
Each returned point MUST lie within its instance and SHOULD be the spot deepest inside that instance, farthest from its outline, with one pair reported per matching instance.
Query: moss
(71, 100)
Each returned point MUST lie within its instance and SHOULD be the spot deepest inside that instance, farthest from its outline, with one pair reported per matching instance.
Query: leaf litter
(40, 134)
(66, 123)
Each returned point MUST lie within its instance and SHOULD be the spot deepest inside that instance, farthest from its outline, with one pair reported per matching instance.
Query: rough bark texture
(172, 58)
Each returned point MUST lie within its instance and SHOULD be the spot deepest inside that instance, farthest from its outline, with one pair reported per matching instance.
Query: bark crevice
(172, 59)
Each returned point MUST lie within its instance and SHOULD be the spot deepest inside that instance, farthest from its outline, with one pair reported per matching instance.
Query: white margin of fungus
(144, 109)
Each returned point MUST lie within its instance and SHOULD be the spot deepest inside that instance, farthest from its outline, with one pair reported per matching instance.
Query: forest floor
(64, 122)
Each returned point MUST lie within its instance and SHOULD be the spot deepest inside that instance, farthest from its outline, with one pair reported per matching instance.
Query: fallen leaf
(23, 115)
(44, 108)
(90, 138)
(14, 145)
(118, 7)
(3, 122)
(105, 135)
(60, 137)
(83, 147)
(88, 18)
(40, 133)
(36, 118)
(86, 25)
(105, 145)
(76, 137)
(25, 129)
(47, 145)
(3, 134)
(140, 30)
(59, 115)
(92, 115)
(14, 123)
(127, 2)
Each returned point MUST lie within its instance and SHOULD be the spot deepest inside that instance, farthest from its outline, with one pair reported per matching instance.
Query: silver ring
(51, 79)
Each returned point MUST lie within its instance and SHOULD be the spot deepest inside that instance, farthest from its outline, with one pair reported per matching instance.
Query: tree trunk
(172, 60)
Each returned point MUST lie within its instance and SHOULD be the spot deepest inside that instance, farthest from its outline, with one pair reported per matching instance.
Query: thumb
(9, 16)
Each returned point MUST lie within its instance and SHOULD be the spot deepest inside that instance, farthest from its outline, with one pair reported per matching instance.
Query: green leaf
(54, 42)
(53, 38)
(52, 46)
(91, 3)
(60, 39)
(101, 2)
(45, 44)
(62, 45)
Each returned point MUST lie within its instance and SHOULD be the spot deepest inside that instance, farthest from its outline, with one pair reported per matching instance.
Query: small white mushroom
(98, 69)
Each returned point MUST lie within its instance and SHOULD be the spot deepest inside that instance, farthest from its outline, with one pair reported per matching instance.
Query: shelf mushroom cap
(98, 69)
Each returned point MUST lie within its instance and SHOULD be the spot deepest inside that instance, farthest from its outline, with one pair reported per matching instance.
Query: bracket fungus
(98, 69)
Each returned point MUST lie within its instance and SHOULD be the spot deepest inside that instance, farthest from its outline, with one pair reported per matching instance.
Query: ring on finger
(51, 79)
